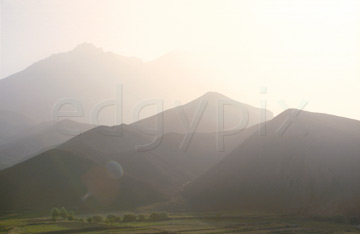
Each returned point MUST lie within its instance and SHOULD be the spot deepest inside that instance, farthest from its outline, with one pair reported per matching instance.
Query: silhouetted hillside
(36, 139)
(90, 76)
(58, 178)
(307, 166)
(12, 123)
(158, 172)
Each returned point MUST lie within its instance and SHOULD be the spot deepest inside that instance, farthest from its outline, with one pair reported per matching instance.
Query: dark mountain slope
(37, 139)
(234, 113)
(169, 164)
(311, 167)
(12, 123)
(157, 173)
(58, 178)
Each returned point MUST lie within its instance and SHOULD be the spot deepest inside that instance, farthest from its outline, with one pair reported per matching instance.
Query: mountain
(85, 78)
(161, 170)
(170, 157)
(61, 179)
(36, 139)
(306, 163)
(87, 75)
(12, 123)
(207, 110)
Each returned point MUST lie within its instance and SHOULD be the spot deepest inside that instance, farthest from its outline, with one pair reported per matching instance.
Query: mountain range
(160, 171)
(17, 147)
(85, 78)
(60, 146)
(305, 164)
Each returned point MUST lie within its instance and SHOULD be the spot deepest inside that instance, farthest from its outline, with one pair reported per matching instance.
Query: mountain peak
(292, 112)
(86, 46)
(213, 96)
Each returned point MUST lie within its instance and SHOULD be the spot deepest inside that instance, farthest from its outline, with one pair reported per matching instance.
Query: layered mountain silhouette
(87, 77)
(157, 172)
(307, 164)
(212, 111)
(36, 139)
(177, 159)
(219, 154)
(60, 178)
(12, 123)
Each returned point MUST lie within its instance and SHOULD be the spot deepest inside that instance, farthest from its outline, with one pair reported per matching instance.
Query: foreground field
(179, 223)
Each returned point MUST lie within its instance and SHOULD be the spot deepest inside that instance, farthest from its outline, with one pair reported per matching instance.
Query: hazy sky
(298, 49)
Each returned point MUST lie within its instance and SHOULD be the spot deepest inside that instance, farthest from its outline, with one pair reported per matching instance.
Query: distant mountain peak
(292, 112)
(86, 46)
(210, 96)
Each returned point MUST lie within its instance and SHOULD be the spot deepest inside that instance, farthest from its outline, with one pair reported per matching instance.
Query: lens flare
(114, 169)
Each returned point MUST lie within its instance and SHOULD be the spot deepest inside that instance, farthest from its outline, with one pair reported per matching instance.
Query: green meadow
(174, 223)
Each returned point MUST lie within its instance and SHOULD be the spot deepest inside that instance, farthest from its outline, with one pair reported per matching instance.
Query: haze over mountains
(37, 138)
(88, 77)
(21, 138)
(12, 123)
(157, 173)
(212, 153)
(307, 163)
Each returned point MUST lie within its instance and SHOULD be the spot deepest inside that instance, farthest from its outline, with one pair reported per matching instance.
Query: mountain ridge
(296, 171)
(162, 170)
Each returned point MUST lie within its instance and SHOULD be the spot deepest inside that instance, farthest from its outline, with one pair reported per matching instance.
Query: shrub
(110, 218)
(118, 219)
(71, 216)
(89, 219)
(141, 218)
(129, 218)
(63, 213)
(354, 220)
(97, 219)
(159, 216)
(55, 213)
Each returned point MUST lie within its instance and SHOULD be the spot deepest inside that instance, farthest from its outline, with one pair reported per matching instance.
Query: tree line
(62, 213)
